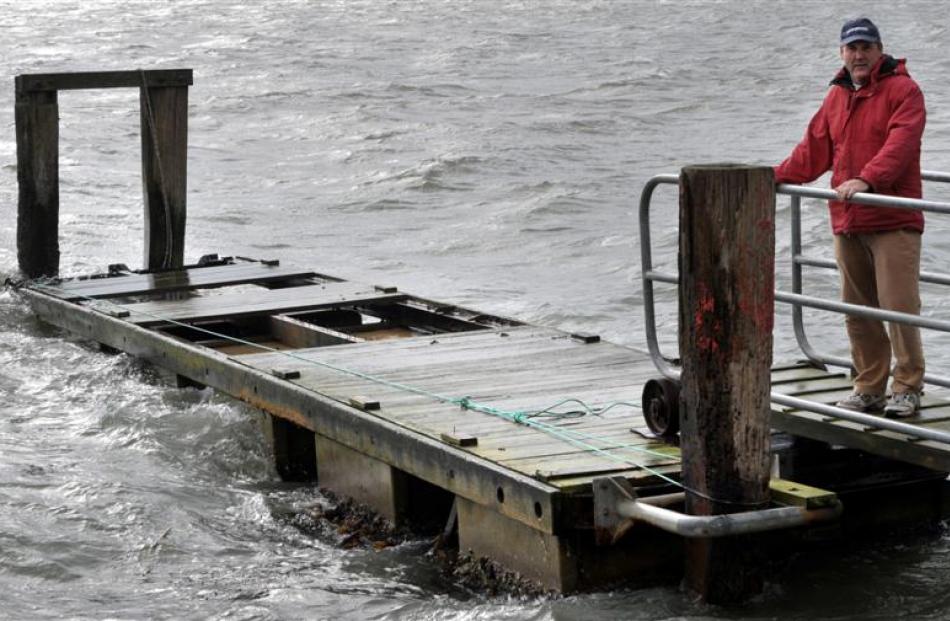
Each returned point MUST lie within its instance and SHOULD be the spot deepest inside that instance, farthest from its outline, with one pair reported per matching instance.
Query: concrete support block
(366, 480)
(570, 562)
(535, 555)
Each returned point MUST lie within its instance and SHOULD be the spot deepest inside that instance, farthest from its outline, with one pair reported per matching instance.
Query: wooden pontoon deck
(378, 376)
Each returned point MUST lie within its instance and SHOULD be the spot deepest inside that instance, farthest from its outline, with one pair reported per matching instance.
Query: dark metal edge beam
(32, 82)
(450, 468)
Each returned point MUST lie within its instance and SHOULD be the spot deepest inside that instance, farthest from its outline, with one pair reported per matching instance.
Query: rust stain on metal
(282, 411)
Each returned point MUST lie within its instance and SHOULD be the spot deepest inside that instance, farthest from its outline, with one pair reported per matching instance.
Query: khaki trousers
(882, 270)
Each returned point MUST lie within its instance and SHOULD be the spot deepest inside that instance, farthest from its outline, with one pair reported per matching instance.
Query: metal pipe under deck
(727, 525)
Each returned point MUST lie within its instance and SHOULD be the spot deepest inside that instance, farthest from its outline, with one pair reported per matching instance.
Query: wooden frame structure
(164, 118)
(427, 411)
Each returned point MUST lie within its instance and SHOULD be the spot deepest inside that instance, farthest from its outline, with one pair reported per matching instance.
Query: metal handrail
(935, 175)
(796, 193)
(646, 263)
(667, 367)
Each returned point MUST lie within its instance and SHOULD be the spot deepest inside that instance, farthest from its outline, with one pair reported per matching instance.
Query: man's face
(859, 58)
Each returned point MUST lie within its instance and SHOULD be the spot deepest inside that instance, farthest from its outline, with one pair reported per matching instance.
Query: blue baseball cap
(860, 29)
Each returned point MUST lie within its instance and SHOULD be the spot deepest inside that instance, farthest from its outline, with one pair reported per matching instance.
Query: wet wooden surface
(130, 284)
(515, 370)
(254, 301)
(529, 369)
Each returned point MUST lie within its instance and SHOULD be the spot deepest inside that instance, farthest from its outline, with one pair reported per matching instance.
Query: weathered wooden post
(726, 289)
(37, 150)
(164, 112)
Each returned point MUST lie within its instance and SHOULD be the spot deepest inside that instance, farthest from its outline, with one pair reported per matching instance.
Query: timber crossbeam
(153, 78)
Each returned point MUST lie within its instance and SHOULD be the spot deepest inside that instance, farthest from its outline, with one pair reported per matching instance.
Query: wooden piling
(727, 251)
(37, 139)
(164, 112)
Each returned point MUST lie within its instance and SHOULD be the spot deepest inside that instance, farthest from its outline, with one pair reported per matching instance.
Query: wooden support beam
(164, 112)
(726, 312)
(37, 140)
(366, 480)
(39, 82)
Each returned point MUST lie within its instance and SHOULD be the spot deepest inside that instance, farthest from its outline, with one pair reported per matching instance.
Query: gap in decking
(350, 323)
(295, 453)
(427, 507)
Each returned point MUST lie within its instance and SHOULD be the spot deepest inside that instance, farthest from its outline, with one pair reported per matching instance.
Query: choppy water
(483, 152)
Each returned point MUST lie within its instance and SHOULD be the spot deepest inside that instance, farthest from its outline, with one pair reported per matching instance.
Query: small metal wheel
(661, 406)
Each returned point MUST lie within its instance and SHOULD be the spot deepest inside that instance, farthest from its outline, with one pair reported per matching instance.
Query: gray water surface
(480, 152)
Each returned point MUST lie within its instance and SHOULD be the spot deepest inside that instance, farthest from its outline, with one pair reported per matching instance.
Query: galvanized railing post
(646, 265)
(798, 315)
(799, 301)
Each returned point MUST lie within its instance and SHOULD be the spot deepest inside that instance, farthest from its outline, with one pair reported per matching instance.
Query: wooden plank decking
(513, 369)
(131, 284)
(313, 351)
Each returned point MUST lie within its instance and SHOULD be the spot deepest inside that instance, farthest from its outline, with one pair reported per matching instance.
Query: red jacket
(873, 133)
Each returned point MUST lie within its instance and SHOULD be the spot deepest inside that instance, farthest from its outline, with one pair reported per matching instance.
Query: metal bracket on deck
(609, 524)
(617, 508)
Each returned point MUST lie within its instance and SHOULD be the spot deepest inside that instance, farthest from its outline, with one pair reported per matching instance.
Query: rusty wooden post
(37, 145)
(727, 254)
(164, 112)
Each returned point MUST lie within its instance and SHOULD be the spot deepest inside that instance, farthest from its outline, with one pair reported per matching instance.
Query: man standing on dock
(868, 132)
